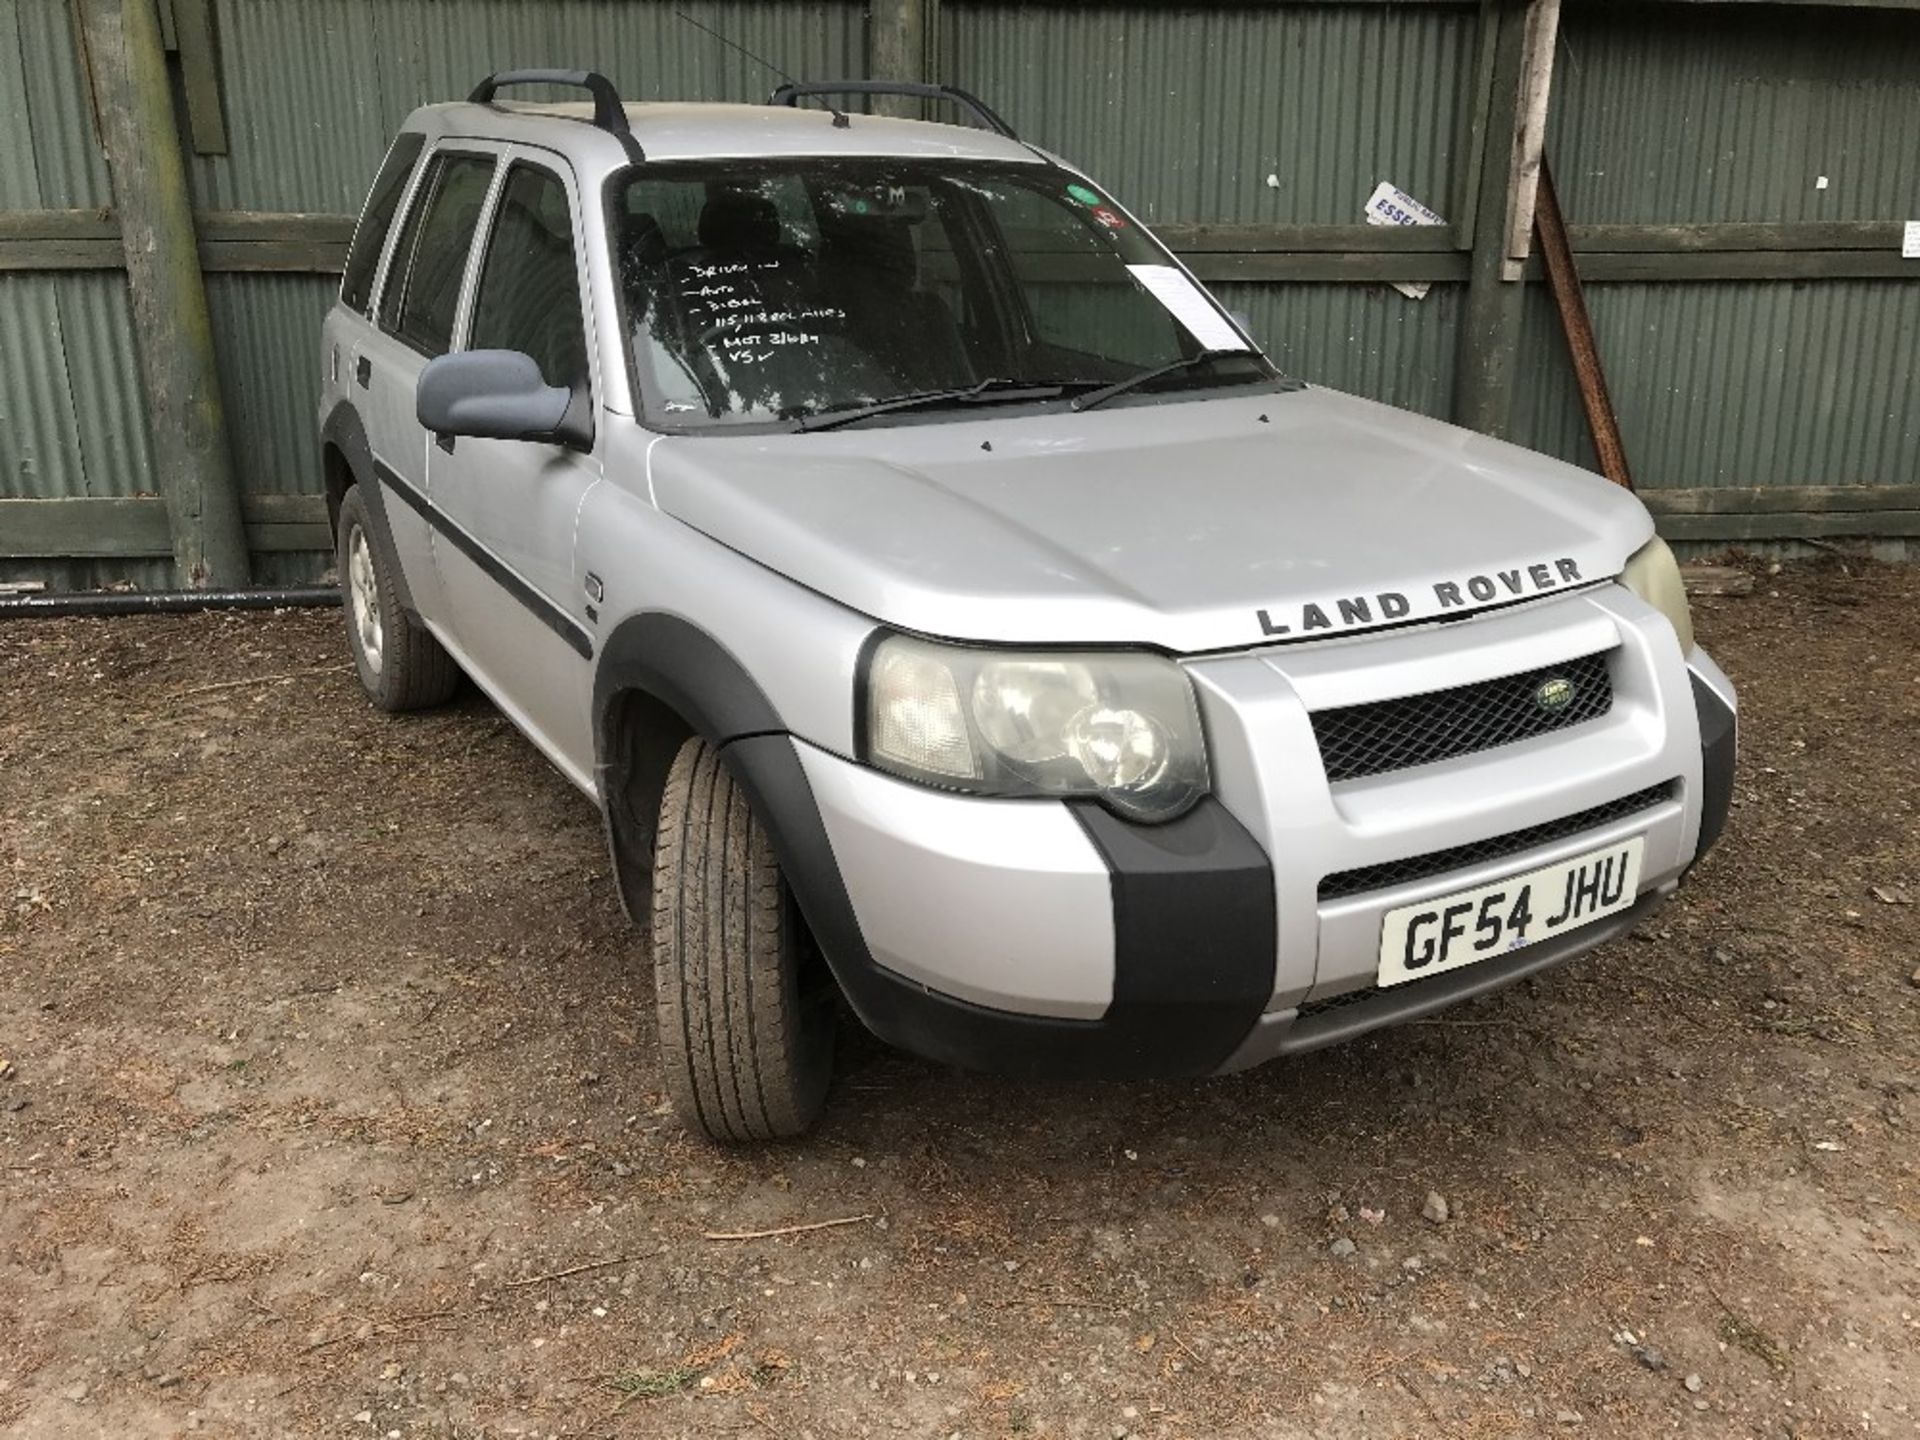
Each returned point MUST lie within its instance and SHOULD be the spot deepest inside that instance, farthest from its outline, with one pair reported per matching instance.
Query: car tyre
(401, 665)
(744, 1000)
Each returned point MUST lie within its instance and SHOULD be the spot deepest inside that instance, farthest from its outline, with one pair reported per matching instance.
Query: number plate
(1454, 930)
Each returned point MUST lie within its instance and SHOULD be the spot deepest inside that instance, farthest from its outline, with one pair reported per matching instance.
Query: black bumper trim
(1194, 930)
(1719, 742)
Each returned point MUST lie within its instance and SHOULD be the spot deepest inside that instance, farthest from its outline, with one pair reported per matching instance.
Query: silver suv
(951, 611)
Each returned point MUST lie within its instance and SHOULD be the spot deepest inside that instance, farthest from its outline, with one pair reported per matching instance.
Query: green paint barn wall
(314, 92)
(1723, 114)
(1254, 113)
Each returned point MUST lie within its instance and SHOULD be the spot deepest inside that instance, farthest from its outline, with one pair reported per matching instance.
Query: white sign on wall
(1390, 205)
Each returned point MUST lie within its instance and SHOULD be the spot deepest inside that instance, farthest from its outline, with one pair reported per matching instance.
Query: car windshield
(798, 290)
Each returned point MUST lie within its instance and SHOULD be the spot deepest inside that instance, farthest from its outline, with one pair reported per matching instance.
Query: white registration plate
(1454, 930)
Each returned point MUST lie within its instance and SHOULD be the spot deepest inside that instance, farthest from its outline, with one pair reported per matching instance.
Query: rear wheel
(745, 1003)
(401, 665)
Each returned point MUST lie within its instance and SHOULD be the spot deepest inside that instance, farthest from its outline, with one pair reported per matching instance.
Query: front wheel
(401, 665)
(745, 1004)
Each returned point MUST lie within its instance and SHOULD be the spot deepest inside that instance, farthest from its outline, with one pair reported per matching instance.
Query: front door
(505, 554)
(414, 324)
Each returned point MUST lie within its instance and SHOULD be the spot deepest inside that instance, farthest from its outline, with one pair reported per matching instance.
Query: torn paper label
(1390, 205)
(1189, 305)
(1910, 241)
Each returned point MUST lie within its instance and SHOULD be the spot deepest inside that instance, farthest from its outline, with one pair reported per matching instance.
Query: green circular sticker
(1083, 195)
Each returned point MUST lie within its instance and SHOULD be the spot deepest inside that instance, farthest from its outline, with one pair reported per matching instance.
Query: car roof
(678, 130)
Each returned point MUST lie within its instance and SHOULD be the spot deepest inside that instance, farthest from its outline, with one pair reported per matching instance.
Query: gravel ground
(330, 1107)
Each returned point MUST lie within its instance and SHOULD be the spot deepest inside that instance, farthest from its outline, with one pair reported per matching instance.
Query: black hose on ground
(163, 602)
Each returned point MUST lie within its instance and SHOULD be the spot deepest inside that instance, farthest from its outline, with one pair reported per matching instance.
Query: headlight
(1120, 727)
(1654, 575)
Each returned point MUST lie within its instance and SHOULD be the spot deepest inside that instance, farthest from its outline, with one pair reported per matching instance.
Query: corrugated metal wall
(309, 136)
(1666, 115)
(72, 420)
(1279, 114)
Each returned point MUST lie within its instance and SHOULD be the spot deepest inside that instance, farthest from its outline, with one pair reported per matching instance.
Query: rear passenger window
(529, 296)
(423, 284)
(370, 237)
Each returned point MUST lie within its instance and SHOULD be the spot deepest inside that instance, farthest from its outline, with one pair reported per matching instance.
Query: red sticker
(1109, 218)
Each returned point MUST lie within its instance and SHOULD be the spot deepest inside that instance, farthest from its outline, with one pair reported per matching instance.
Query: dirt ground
(330, 1107)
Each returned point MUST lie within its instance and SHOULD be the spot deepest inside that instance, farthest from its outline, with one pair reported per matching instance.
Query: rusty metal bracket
(1563, 278)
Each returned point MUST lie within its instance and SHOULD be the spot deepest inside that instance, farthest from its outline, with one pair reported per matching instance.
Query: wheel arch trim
(344, 432)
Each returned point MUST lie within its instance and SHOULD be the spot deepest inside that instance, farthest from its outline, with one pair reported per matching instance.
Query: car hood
(1188, 526)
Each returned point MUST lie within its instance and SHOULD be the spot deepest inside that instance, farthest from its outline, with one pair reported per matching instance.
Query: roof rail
(791, 92)
(609, 112)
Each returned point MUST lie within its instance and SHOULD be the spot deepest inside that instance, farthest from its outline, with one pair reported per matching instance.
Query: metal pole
(141, 137)
(1563, 275)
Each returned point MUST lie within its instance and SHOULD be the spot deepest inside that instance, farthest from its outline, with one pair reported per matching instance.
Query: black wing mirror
(499, 395)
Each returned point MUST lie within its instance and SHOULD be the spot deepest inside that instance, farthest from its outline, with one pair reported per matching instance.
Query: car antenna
(840, 120)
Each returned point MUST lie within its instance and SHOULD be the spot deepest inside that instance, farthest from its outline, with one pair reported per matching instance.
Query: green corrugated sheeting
(1671, 115)
(1283, 113)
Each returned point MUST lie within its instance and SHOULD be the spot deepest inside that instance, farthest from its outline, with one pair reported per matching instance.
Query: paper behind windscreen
(1189, 306)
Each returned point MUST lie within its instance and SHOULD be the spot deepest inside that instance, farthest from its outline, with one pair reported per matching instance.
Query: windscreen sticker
(1112, 219)
(1083, 195)
(1189, 305)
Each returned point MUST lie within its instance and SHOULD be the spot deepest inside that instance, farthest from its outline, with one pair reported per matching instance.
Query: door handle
(363, 371)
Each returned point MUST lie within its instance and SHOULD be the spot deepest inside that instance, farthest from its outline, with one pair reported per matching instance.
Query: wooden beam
(1848, 525)
(200, 76)
(173, 330)
(1197, 237)
(1775, 499)
(1331, 268)
(1685, 239)
(1489, 330)
(1624, 266)
(135, 526)
(1530, 131)
(295, 242)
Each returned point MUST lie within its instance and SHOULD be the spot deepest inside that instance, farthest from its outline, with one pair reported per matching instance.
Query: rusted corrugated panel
(1281, 113)
(315, 90)
(1739, 383)
(71, 418)
(1367, 339)
(1695, 114)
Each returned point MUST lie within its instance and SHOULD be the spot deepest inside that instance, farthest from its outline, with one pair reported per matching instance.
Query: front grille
(1438, 862)
(1373, 739)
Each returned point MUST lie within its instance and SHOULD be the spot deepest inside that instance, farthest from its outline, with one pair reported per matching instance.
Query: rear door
(414, 322)
(505, 555)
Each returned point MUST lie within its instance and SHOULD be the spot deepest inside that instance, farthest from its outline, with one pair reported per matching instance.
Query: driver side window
(529, 294)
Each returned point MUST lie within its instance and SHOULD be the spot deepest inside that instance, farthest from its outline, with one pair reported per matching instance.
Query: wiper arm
(1121, 387)
(994, 387)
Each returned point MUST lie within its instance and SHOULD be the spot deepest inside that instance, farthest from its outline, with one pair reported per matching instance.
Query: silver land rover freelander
(951, 610)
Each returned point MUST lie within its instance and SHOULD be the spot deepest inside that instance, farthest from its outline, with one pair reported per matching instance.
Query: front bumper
(1046, 938)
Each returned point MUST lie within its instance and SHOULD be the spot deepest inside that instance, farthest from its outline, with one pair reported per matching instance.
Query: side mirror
(498, 395)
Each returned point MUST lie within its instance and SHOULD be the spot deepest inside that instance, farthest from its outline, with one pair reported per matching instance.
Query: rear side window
(529, 296)
(423, 284)
(370, 237)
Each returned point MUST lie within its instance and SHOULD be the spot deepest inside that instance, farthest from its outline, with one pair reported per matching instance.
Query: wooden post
(898, 38)
(1522, 42)
(172, 327)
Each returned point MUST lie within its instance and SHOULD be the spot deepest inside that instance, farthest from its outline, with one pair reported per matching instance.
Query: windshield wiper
(1121, 387)
(994, 387)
